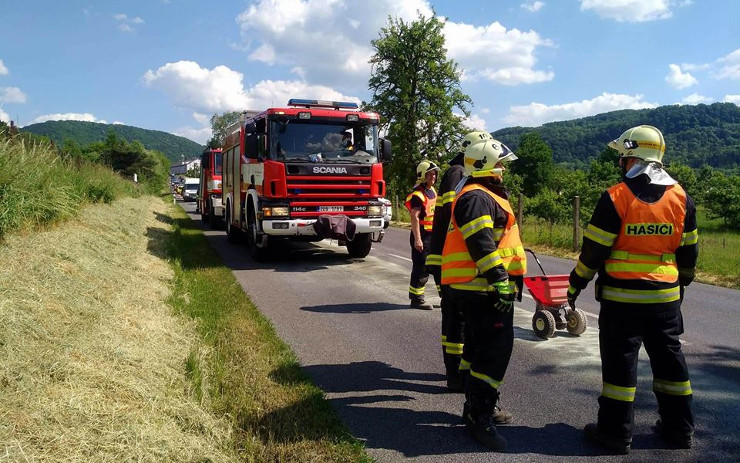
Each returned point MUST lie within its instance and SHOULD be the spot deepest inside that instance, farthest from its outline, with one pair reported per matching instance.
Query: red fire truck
(288, 170)
(210, 204)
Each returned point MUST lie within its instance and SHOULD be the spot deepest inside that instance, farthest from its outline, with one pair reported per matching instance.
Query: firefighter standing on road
(452, 318)
(420, 203)
(483, 262)
(642, 240)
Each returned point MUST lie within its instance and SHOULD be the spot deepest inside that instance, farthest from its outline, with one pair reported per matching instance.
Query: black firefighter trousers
(489, 342)
(419, 274)
(622, 329)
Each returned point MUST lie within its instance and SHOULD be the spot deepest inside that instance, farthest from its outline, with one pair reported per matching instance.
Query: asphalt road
(380, 363)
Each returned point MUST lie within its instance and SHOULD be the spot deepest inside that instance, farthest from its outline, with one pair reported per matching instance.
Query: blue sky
(170, 64)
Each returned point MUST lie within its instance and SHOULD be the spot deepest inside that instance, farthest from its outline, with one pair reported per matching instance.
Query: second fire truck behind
(284, 169)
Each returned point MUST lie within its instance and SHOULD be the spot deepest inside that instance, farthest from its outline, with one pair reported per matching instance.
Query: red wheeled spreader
(550, 293)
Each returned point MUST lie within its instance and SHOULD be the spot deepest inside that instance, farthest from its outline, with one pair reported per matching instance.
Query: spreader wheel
(543, 324)
(577, 321)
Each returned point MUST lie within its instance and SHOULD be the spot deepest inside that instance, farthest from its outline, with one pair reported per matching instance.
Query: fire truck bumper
(304, 227)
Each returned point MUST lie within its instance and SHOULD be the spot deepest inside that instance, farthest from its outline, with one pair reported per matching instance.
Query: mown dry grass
(93, 360)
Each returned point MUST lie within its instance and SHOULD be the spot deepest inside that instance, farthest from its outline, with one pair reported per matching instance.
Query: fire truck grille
(328, 187)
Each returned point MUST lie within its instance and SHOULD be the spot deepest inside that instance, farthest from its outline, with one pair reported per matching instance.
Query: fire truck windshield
(323, 141)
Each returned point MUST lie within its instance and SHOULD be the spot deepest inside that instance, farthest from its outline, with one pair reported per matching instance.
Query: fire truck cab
(285, 169)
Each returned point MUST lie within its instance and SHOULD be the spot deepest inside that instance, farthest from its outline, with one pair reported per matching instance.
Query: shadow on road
(365, 307)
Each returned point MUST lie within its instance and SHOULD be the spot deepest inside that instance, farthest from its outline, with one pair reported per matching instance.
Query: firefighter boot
(420, 304)
(674, 439)
(618, 445)
(455, 376)
(478, 419)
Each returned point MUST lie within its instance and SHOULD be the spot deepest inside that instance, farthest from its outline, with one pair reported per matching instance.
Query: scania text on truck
(289, 170)
(210, 204)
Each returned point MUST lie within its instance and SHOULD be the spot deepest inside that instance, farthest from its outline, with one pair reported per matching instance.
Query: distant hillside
(84, 133)
(695, 135)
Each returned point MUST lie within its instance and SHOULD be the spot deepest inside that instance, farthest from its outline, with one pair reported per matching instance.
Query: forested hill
(695, 135)
(83, 133)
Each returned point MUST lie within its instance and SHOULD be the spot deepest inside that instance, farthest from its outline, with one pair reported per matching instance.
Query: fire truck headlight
(375, 211)
(277, 211)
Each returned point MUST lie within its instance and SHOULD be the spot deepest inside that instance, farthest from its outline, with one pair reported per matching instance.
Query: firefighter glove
(506, 296)
(572, 296)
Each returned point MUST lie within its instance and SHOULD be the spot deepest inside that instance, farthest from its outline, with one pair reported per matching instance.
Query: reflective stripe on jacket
(427, 219)
(458, 268)
(650, 234)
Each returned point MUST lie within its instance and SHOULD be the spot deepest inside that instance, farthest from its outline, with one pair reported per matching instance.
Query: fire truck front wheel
(360, 246)
(254, 237)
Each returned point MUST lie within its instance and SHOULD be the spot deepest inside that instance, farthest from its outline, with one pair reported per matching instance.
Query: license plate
(331, 208)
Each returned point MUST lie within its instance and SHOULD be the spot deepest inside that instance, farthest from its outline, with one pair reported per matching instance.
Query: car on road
(190, 189)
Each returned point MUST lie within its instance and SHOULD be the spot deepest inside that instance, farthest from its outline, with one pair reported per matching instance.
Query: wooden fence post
(576, 222)
(396, 212)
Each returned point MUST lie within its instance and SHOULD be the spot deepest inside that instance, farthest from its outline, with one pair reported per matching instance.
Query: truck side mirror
(385, 150)
(250, 128)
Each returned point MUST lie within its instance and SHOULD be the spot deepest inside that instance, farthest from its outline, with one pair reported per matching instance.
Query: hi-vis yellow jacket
(458, 268)
(650, 234)
(426, 220)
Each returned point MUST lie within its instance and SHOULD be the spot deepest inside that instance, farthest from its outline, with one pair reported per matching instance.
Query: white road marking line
(400, 257)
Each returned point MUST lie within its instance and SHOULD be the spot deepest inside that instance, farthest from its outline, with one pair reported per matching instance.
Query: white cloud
(326, 38)
(678, 79)
(205, 90)
(201, 135)
(87, 117)
(535, 114)
(632, 10)
(221, 89)
(474, 122)
(126, 24)
(4, 116)
(494, 53)
(3, 70)
(12, 95)
(533, 7)
(337, 53)
(730, 66)
(732, 99)
(695, 98)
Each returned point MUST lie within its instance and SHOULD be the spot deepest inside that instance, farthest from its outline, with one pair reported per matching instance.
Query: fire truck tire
(205, 217)
(360, 246)
(232, 234)
(577, 321)
(543, 324)
(253, 237)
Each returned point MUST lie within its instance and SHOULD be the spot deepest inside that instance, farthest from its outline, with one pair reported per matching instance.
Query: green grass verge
(248, 374)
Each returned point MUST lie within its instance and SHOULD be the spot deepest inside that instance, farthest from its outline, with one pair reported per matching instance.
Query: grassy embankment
(124, 339)
(719, 247)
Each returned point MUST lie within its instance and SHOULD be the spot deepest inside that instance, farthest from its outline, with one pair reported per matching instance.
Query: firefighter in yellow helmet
(642, 242)
(452, 318)
(420, 203)
(483, 263)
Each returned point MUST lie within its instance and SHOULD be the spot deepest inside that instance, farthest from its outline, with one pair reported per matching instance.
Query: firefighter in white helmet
(452, 318)
(420, 203)
(642, 242)
(483, 263)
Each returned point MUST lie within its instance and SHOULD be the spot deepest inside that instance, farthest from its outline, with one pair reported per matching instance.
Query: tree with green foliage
(722, 198)
(219, 124)
(535, 164)
(416, 90)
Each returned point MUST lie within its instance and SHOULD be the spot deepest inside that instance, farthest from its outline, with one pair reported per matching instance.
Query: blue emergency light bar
(323, 104)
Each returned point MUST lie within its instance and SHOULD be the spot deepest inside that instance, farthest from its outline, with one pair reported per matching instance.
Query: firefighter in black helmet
(420, 203)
